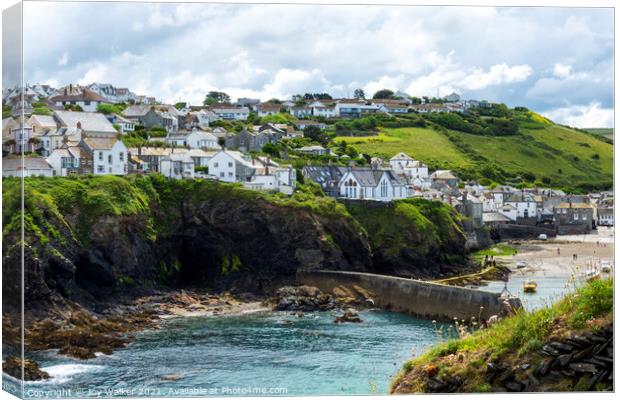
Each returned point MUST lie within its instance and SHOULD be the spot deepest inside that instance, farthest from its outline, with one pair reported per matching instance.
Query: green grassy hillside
(540, 153)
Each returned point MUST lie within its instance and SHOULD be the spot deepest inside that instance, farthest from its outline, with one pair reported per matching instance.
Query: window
(121, 156)
(67, 162)
(384, 189)
(87, 103)
(575, 216)
(109, 158)
(216, 165)
(100, 168)
(230, 174)
(221, 174)
(101, 156)
(230, 164)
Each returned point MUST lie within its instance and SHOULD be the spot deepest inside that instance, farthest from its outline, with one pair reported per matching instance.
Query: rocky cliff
(90, 239)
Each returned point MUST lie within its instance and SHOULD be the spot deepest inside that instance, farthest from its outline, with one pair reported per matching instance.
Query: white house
(509, 211)
(101, 156)
(401, 163)
(125, 125)
(355, 110)
(231, 166)
(194, 140)
(371, 184)
(65, 161)
(232, 113)
(524, 203)
(265, 109)
(177, 165)
(322, 109)
(26, 166)
(73, 95)
(452, 97)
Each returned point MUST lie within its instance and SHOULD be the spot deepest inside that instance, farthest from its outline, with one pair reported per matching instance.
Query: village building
(177, 166)
(327, 176)
(77, 96)
(265, 109)
(163, 116)
(443, 178)
(525, 205)
(371, 184)
(573, 218)
(355, 110)
(125, 125)
(303, 123)
(65, 160)
(314, 150)
(26, 167)
(101, 156)
(194, 140)
(232, 113)
(231, 166)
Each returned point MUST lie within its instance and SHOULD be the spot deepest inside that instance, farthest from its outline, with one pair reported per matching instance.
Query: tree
(180, 105)
(384, 94)
(314, 133)
(221, 142)
(214, 97)
(72, 107)
(359, 94)
(105, 108)
(271, 149)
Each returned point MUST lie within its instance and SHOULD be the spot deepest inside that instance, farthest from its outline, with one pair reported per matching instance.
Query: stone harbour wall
(424, 299)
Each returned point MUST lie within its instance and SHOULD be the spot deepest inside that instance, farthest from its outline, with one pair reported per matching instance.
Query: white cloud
(562, 71)
(264, 50)
(497, 75)
(582, 116)
(64, 59)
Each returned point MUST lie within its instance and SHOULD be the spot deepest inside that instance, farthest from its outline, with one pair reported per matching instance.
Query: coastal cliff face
(91, 239)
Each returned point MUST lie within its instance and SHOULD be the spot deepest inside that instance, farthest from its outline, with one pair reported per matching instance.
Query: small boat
(530, 286)
(521, 264)
(591, 275)
(606, 267)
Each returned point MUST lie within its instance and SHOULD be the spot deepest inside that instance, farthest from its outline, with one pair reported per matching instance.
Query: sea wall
(512, 231)
(424, 299)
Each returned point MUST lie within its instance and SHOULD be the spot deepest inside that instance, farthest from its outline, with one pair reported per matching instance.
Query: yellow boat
(530, 286)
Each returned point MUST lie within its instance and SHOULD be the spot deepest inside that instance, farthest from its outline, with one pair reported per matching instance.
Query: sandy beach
(556, 257)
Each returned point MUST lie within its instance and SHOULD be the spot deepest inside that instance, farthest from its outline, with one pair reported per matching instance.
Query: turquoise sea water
(253, 354)
(270, 353)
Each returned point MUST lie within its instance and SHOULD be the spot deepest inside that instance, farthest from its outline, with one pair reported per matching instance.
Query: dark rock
(583, 367)
(533, 380)
(582, 340)
(595, 338)
(604, 359)
(568, 373)
(563, 347)
(580, 355)
(543, 367)
(348, 316)
(513, 386)
(505, 376)
(549, 350)
(302, 298)
(434, 385)
(596, 378)
(596, 362)
(564, 359)
(32, 372)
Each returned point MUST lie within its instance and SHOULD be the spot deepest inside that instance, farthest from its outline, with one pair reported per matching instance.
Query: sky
(557, 61)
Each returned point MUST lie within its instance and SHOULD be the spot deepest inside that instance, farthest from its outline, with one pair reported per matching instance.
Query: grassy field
(605, 132)
(553, 155)
(421, 143)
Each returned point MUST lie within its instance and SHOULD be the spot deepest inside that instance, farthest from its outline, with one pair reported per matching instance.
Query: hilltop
(532, 150)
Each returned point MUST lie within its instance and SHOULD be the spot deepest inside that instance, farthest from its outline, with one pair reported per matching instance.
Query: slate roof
(100, 143)
(15, 164)
(90, 121)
